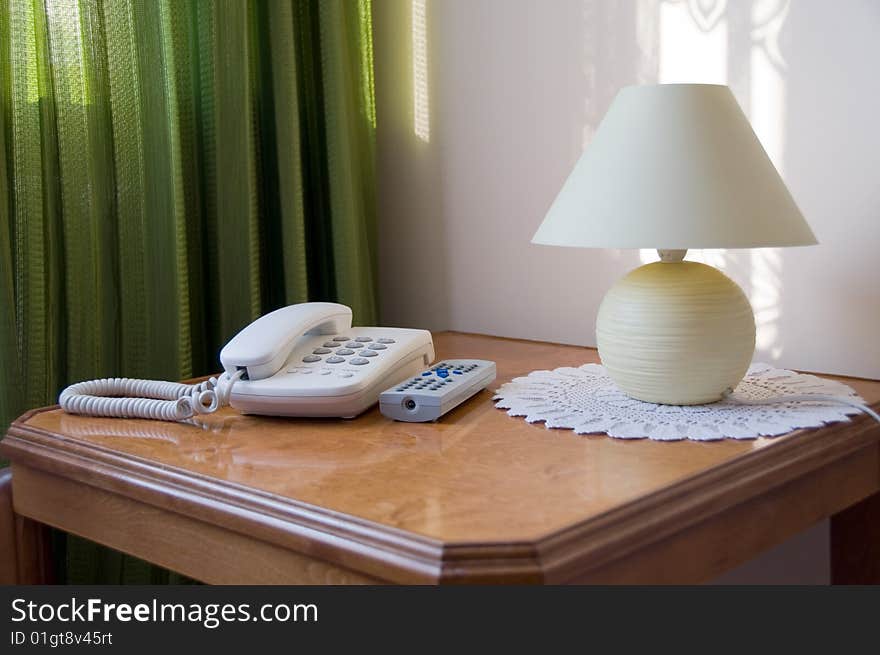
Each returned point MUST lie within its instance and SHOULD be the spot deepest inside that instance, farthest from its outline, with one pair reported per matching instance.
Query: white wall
(516, 89)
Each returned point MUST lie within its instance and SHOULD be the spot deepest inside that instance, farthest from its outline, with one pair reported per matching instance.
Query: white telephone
(301, 360)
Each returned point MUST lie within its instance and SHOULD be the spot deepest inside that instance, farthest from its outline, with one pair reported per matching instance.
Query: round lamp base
(676, 333)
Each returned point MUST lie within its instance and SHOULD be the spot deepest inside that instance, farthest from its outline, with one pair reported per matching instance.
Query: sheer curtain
(169, 170)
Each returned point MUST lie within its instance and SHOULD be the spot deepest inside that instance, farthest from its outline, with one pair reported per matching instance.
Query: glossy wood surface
(25, 549)
(206, 552)
(477, 475)
(475, 494)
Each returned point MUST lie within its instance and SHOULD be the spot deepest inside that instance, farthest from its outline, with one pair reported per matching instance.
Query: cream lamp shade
(672, 167)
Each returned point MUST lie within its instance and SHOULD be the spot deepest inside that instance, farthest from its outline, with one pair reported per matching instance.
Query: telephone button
(363, 339)
(341, 338)
(345, 374)
(308, 359)
(334, 360)
(359, 361)
(368, 353)
(321, 351)
(331, 344)
(345, 351)
(378, 346)
(386, 340)
(352, 344)
(324, 371)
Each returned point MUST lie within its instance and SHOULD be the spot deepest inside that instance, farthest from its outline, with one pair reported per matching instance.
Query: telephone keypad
(340, 348)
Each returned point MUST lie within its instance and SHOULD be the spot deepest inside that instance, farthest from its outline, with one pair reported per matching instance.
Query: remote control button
(341, 338)
(426, 373)
(368, 353)
(345, 374)
(335, 360)
(378, 346)
(385, 340)
(325, 371)
(330, 344)
(364, 339)
(308, 359)
(345, 351)
(443, 373)
(321, 351)
(456, 372)
(352, 344)
(305, 371)
(359, 361)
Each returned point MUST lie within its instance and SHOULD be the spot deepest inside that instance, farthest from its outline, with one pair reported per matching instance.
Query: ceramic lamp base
(676, 332)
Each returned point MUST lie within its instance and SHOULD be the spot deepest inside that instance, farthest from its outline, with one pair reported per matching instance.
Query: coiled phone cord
(151, 399)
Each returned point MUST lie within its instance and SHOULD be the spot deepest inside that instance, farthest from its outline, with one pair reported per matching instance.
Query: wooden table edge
(401, 556)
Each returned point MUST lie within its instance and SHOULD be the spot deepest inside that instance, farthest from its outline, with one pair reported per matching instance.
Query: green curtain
(169, 170)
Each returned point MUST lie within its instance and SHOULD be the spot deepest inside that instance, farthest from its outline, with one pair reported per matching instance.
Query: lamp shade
(674, 166)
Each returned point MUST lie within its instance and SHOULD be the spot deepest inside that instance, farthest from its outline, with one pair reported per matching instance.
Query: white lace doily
(586, 400)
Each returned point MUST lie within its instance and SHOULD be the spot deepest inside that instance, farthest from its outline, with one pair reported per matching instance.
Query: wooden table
(477, 497)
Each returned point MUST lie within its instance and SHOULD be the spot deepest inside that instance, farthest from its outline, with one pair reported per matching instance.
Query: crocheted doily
(586, 400)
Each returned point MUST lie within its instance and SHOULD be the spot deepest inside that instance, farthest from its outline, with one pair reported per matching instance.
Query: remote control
(432, 393)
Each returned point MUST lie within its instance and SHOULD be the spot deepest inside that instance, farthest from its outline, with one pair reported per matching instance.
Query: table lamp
(672, 167)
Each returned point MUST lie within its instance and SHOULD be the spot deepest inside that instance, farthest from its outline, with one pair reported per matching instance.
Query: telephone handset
(264, 345)
(301, 360)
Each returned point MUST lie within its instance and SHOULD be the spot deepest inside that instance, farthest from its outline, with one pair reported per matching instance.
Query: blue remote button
(426, 373)
(443, 373)
(456, 372)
